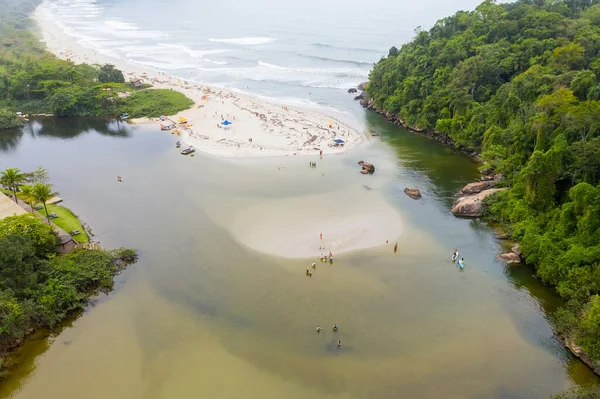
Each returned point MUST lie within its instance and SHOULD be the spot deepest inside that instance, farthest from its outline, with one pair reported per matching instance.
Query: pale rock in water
(470, 206)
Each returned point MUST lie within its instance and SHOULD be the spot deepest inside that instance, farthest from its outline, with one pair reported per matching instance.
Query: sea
(307, 52)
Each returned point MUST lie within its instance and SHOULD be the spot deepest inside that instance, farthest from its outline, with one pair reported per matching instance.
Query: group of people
(312, 164)
(334, 329)
(459, 261)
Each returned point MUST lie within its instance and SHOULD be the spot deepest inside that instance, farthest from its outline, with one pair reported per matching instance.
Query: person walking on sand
(321, 236)
(339, 343)
(396, 247)
(314, 265)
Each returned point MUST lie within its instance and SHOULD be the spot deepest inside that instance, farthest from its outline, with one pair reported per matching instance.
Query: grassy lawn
(67, 221)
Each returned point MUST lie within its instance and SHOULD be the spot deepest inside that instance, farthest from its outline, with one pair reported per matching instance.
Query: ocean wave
(369, 50)
(337, 60)
(244, 41)
(190, 52)
(215, 62)
(163, 65)
(118, 24)
(335, 78)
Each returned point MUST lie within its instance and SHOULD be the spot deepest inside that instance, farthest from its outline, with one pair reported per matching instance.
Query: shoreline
(258, 128)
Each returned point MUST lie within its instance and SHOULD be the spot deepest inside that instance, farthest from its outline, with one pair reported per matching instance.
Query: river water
(201, 315)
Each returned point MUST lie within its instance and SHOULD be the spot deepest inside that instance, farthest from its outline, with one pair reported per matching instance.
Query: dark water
(200, 314)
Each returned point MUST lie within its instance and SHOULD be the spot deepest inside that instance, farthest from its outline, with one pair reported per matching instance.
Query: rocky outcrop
(471, 205)
(477, 187)
(578, 352)
(516, 249)
(509, 257)
(366, 167)
(413, 193)
(352, 90)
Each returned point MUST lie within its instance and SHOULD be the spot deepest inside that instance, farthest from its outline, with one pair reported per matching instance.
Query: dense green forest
(39, 288)
(32, 80)
(519, 84)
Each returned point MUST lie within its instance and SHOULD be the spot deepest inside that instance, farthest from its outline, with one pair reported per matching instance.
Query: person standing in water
(319, 329)
(314, 265)
(396, 247)
(455, 255)
(339, 343)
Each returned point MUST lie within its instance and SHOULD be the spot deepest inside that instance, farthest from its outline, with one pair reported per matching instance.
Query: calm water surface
(200, 315)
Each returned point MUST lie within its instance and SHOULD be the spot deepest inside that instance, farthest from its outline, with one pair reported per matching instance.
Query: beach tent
(226, 124)
(339, 142)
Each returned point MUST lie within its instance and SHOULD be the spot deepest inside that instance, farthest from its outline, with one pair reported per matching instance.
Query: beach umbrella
(226, 123)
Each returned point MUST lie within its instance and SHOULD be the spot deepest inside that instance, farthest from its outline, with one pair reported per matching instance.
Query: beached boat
(124, 115)
(166, 127)
(187, 151)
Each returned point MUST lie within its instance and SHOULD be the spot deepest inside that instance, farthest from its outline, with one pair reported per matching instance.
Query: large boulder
(352, 90)
(366, 167)
(477, 187)
(413, 193)
(516, 249)
(509, 257)
(471, 205)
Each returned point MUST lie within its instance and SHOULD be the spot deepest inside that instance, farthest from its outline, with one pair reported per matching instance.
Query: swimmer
(335, 327)
(319, 329)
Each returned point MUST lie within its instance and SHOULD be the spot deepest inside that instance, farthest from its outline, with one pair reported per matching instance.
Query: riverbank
(255, 128)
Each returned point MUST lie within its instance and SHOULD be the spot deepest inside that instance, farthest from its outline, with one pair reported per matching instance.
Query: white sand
(349, 220)
(257, 129)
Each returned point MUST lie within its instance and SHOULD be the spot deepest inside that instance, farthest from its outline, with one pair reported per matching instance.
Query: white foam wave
(244, 41)
(163, 65)
(118, 24)
(336, 78)
(215, 62)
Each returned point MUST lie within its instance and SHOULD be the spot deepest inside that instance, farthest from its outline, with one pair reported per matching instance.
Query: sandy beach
(256, 129)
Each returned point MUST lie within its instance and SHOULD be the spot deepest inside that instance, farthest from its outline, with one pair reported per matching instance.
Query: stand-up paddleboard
(454, 257)
(461, 264)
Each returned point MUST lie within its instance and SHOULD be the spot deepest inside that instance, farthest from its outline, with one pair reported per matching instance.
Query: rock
(477, 187)
(362, 86)
(470, 205)
(487, 178)
(498, 177)
(352, 90)
(509, 257)
(366, 167)
(516, 249)
(413, 193)
(364, 102)
(578, 352)
(487, 171)
(359, 97)
(501, 236)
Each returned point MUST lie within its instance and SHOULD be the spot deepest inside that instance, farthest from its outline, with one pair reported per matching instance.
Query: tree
(108, 73)
(393, 52)
(42, 192)
(26, 195)
(43, 236)
(40, 175)
(12, 178)
(18, 265)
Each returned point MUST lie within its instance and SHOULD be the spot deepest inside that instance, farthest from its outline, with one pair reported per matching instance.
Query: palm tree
(11, 178)
(27, 195)
(43, 192)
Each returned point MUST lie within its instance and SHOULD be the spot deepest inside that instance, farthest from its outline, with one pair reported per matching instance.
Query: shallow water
(201, 314)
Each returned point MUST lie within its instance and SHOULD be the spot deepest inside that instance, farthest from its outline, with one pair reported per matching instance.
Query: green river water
(202, 315)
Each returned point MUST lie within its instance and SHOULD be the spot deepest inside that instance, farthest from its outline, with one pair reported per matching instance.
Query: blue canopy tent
(225, 123)
(339, 142)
